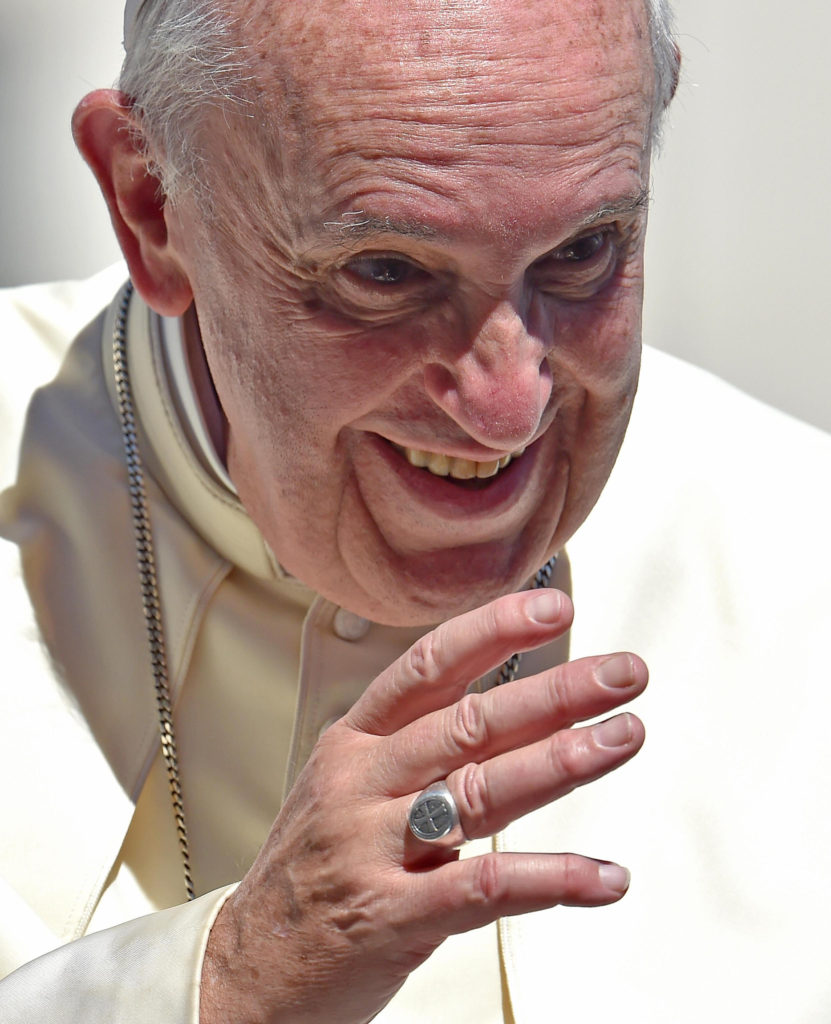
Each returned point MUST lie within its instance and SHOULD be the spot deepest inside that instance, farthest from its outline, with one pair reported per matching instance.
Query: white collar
(183, 393)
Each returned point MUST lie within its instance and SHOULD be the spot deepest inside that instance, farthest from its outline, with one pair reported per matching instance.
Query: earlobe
(106, 135)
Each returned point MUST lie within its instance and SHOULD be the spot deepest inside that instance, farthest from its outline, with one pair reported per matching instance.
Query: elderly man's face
(420, 290)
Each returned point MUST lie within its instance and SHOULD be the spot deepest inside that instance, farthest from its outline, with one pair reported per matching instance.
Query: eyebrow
(629, 204)
(356, 224)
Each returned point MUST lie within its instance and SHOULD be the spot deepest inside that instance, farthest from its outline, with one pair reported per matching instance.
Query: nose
(498, 387)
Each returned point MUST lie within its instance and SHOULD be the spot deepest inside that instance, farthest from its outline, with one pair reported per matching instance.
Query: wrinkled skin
(478, 174)
(428, 235)
(327, 925)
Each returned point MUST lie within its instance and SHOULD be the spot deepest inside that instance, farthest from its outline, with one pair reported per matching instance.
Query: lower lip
(453, 498)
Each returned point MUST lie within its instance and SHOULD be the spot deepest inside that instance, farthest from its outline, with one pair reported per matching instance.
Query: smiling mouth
(456, 468)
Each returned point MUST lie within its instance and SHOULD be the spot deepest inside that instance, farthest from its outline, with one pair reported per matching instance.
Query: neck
(204, 388)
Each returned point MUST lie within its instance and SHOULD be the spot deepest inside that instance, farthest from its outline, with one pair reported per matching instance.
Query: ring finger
(490, 795)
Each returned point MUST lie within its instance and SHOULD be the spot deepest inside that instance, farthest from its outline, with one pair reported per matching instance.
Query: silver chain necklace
(150, 590)
(542, 578)
(147, 576)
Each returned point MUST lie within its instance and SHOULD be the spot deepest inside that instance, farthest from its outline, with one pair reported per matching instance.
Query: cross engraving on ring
(432, 818)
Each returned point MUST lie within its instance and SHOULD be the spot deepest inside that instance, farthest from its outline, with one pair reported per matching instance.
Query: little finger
(460, 895)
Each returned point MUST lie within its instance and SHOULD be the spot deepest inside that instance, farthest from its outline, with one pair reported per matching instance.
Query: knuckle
(495, 617)
(487, 884)
(472, 798)
(566, 756)
(467, 725)
(557, 693)
(573, 874)
(423, 658)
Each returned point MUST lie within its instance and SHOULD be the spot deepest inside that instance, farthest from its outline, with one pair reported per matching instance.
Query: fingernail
(614, 732)
(615, 671)
(614, 877)
(545, 607)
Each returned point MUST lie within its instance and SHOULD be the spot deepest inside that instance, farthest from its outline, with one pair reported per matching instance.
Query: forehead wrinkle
(326, 117)
(447, 132)
(455, 175)
(428, 157)
(453, 55)
(478, 102)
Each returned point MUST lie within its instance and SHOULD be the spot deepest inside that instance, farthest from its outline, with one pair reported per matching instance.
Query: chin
(436, 586)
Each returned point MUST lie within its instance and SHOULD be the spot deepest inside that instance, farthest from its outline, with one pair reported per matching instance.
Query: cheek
(292, 384)
(595, 363)
(598, 343)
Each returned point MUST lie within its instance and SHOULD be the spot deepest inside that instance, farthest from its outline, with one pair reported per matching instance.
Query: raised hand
(343, 901)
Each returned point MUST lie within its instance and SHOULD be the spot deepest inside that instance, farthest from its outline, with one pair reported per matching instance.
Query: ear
(106, 134)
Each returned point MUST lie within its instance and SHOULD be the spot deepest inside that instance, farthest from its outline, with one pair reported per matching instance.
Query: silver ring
(433, 816)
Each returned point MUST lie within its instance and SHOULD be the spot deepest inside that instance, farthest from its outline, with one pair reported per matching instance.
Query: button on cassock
(349, 626)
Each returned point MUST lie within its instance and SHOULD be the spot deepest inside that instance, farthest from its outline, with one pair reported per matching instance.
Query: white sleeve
(145, 971)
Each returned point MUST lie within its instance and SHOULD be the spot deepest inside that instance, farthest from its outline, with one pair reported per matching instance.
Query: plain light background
(738, 252)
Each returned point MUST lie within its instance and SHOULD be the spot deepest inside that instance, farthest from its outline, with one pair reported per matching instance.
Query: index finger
(440, 666)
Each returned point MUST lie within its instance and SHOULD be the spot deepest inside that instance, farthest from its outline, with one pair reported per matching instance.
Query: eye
(382, 284)
(386, 271)
(581, 249)
(580, 268)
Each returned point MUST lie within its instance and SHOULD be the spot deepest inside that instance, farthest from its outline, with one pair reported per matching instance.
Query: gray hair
(666, 58)
(184, 59)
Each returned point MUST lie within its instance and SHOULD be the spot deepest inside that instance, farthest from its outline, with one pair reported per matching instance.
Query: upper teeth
(459, 469)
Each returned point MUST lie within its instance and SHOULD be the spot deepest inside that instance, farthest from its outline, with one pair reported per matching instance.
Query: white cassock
(708, 554)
